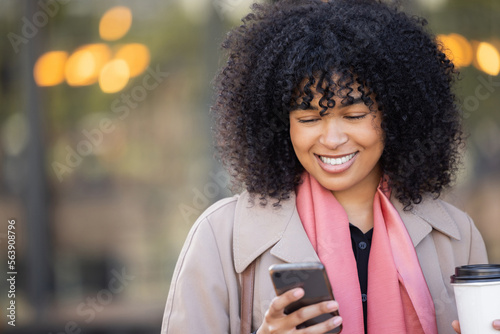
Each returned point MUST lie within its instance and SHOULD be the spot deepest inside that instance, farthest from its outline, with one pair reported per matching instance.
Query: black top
(361, 244)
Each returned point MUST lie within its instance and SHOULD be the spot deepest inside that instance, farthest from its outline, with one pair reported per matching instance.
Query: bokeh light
(488, 58)
(101, 53)
(49, 68)
(457, 48)
(115, 23)
(80, 68)
(199, 11)
(85, 64)
(114, 76)
(137, 57)
(14, 134)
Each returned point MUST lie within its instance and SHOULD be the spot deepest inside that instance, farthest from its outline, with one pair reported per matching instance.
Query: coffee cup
(477, 294)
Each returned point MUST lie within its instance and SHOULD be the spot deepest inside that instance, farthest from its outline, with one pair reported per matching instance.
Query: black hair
(334, 46)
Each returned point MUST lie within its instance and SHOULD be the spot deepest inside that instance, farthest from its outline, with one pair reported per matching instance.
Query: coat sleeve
(198, 300)
(477, 254)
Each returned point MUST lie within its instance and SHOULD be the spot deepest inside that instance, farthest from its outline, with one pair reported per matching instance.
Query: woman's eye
(308, 120)
(356, 116)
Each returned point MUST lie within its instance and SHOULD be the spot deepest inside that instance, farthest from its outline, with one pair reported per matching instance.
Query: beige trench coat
(227, 237)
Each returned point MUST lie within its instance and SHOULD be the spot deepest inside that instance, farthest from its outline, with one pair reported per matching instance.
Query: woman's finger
(456, 326)
(279, 303)
(496, 324)
(323, 327)
(311, 311)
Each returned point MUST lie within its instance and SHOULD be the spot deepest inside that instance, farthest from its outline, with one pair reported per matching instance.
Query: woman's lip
(336, 168)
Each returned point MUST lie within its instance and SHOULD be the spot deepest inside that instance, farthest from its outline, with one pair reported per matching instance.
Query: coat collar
(425, 216)
(257, 228)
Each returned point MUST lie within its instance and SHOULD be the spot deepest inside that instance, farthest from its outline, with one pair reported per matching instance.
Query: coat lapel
(429, 214)
(256, 229)
(295, 245)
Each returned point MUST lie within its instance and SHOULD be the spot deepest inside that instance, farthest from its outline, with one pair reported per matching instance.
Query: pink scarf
(399, 300)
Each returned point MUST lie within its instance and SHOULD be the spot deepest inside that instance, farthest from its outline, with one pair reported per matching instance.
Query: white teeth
(337, 161)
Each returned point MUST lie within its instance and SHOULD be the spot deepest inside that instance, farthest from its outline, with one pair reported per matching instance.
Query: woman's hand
(456, 325)
(276, 321)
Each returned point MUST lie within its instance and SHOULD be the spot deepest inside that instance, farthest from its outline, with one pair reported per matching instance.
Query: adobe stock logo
(120, 109)
(202, 198)
(93, 305)
(40, 19)
(483, 91)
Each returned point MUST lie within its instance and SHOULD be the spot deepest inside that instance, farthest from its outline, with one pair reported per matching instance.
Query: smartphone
(310, 276)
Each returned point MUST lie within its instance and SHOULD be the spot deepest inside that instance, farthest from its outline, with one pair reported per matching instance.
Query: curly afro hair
(282, 50)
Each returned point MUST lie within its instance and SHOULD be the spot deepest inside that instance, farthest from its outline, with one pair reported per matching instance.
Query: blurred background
(106, 150)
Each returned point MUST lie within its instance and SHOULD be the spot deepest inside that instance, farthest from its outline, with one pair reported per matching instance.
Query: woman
(338, 120)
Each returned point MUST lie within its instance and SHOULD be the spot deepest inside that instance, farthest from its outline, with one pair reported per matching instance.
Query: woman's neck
(358, 203)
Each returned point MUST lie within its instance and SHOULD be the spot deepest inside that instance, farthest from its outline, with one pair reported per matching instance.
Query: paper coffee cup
(477, 294)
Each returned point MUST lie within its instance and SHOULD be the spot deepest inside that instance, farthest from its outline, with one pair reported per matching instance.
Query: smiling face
(342, 148)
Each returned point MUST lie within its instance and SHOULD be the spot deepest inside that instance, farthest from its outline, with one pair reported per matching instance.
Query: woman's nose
(333, 134)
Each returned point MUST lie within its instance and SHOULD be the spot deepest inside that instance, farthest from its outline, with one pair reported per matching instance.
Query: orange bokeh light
(49, 68)
(488, 58)
(80, 68)
(114, 76)
(457, 48)
(84, 65)
(115, 23)
(137, 57)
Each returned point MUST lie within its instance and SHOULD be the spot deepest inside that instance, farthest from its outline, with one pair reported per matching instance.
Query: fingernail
(496, 324)
(331, 305)
(337, 321)
(298, 293)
